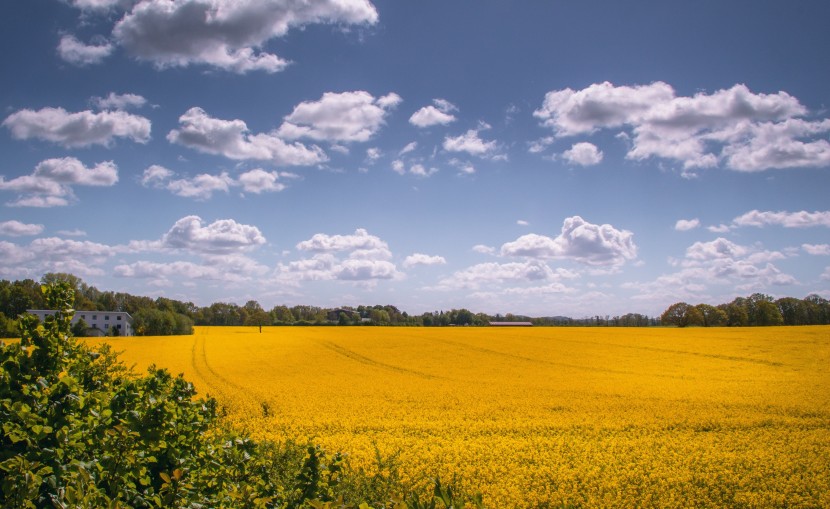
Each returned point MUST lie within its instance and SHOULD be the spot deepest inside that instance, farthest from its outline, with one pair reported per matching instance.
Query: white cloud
(718, 248)
(50, 185)
(721, 228)
(802, 219)
(464, 167)
(223, 236)
(80, 129)
(77, 53)
(825, 276)
(471, 143)
(232, 268)
(360, 240)
(522, 222)
(373, 154)
(231, 139)
(339, 117)
(53, 254)
(417, 169)
(227, 34)
(429, 116)
(202, 187)
(420, 170)
(15, 228)
(490, 273)
(683, 225)
(259, 181)
(816, 249)
(423, 259)
(72, 233)
(119, 101)
(762, 146)
(408, 148)
(98, 4)
(481, 248)
(534, 147)
(366, 259)
(579, 240)
(744, 130)
(399, 167)
(583, 154)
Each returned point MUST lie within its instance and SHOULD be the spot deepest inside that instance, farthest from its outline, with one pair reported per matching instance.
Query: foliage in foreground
(80, 431)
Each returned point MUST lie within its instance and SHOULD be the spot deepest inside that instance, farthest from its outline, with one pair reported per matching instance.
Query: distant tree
(712, 316)
(255, 315)
(736, 313)
(674, 314)
(282, 314)
(379, 316)
(767, 313)
(818, 309)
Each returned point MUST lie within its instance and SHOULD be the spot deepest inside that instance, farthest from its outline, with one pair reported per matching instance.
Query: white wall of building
(101, 320)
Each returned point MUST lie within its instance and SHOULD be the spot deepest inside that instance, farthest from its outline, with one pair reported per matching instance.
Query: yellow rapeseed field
(537, 417)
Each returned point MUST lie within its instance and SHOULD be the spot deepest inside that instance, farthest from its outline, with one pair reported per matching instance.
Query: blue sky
(542, 158)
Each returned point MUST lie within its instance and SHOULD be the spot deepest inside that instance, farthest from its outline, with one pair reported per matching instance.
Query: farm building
(511, 324)
(99, 322)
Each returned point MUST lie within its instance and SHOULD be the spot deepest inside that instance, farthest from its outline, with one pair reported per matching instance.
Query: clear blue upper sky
(542, 158)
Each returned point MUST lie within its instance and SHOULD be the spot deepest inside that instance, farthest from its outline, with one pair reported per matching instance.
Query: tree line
(163, 316)
(756, 310)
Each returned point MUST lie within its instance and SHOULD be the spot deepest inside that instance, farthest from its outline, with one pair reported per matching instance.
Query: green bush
(81, 431)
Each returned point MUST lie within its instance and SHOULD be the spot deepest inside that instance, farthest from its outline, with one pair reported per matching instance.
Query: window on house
(94, 317)
(118, 317)
(107, 317)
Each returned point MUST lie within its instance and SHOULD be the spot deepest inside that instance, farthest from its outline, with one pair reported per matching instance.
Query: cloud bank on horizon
(324, 153)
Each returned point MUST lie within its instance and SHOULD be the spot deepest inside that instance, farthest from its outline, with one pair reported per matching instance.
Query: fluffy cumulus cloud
(817, 249)
(81, 129)
(15, 228)
(531, 274)
(438, 113)
(203, 186)
(358, 257)
(51, 184)
(219, 237)
(583, 154)
(719, 263)
(423, 259)
(119, 101)
(231, 139)
(471, 143)
(54, 254)
(579, 240)
(77, 53)
(683, 225)
(228, 268)
(339, 117)
(227, 34)
(802, 219)
(736, 127)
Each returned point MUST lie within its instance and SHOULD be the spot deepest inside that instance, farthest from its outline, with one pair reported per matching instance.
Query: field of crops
(537, 417)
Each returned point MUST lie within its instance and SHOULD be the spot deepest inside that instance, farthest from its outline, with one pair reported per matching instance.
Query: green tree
(674, 314)
(712, 316)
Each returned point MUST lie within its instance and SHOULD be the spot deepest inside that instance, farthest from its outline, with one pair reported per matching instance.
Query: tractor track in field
(199, 356)
(545, 361)
(732, 358)
(350, 354)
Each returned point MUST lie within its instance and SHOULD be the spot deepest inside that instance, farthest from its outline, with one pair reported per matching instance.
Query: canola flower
(537, 417)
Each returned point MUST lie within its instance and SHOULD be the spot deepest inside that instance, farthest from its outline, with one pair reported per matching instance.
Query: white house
(97, 320)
